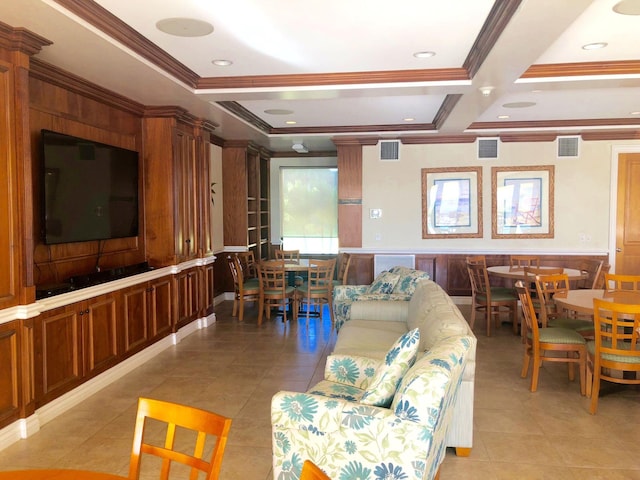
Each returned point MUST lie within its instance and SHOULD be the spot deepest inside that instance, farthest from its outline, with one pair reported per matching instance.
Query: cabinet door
(187, 200)
(206, 290)
(160, 308)
(58, 365)
(9, 372)
(187, 296)
(134, 326)
(99, 319)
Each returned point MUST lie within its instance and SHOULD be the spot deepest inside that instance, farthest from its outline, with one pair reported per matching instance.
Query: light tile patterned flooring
(234, 369)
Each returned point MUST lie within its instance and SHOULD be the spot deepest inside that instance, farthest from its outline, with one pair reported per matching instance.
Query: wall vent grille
(385, 262)
(390, 150)
(487, 148)
(568, 147)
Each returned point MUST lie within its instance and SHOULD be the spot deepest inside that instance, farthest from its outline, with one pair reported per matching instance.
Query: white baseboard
(26, 427)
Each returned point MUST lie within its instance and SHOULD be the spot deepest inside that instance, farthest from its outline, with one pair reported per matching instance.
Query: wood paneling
(10, 372)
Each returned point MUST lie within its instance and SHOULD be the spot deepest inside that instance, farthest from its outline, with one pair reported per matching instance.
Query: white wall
(582, 197)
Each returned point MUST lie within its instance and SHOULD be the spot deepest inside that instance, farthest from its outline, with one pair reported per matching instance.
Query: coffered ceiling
(516, 69)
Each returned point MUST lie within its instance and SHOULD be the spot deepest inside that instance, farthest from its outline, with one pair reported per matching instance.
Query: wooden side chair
(591, 268)
(244, 289)
(165, 429)
(548, 286)
(530, 274)
(248, 263)
(319, 286)
(290, 256)
(614, 282)
(344, 263)
(616, 347)
(275, 290)
(491, 301)
(540, 340)
(310, 471)
(518, 262)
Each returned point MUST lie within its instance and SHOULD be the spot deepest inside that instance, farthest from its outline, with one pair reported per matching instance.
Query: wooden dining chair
(181, 436)
(244, 289)
(541, 340)
(518, 262)
(344, 263)
(310, 471)
(530, 274)
(249, 266)
(547, 287)
(290, 256)
(491, 301)
(275, 290)
(616, 347)
(318, 288)
(617, 282)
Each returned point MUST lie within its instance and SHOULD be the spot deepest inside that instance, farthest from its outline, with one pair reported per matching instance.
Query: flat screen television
(89, 190)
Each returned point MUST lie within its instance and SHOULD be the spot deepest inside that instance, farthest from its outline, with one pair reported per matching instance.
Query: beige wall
(215, 174)
(582, 197)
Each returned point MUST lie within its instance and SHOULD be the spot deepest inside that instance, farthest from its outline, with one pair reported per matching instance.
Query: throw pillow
(384, 283)
(397, 361)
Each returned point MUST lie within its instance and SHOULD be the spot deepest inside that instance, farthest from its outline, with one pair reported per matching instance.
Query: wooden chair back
(598, 281)
(617, 282)
(343, 268)
(616, 346)
(289, 256)
(546, 287)
(319, 285)
(160, 431)
(310, 471)
(479, 279)
(248, 263)
(518, 262)
(476, 259)
(530, 324)
(274, 288)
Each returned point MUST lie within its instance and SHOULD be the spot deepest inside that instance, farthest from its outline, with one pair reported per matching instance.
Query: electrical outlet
(378, 237)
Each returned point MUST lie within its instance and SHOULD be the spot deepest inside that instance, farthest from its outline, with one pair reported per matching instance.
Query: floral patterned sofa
(391, 395)
(397, 283)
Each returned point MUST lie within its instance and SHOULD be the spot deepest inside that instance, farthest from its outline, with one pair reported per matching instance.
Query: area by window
(309, 206)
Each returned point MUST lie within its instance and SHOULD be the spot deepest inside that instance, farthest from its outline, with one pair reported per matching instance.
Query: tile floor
(234, 369)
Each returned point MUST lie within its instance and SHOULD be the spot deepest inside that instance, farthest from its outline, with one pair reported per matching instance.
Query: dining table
(581, 300)
(507, 271)
(56, 474)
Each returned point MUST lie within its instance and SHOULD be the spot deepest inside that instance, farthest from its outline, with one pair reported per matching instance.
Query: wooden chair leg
(261, 306)
(582, 371)
(595, 393)
(535, 373)
(525, 365)
(241, 312)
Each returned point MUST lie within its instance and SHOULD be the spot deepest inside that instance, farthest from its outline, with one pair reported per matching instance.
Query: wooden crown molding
(21, 39)
(547, 70)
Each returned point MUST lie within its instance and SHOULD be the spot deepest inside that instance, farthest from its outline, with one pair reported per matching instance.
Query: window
(309, 206)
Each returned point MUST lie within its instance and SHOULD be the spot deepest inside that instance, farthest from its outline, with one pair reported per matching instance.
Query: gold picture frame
(452, 202)
(522, 202)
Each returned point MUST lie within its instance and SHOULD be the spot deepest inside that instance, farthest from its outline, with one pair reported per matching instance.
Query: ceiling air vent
(390, 150)
(487, 148)
(568, 147)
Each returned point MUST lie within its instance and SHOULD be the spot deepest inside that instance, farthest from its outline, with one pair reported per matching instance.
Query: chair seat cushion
(634, 360)
(560, 335)
(571, 324)
(251, 284)
(499, 295)
(400, 357)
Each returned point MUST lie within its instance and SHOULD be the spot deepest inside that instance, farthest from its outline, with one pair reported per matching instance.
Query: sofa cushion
(368, 339)
(409, 279)
(384, 283)
(398, 360)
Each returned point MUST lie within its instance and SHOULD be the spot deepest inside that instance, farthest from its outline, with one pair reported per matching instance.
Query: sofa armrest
(342, 293)
(351, 370)
(393, 310)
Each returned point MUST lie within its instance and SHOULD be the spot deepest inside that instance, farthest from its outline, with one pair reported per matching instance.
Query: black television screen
(90, 190)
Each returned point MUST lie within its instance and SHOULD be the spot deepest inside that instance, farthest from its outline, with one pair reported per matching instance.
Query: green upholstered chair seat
(500, 295)
(251, 284)
(591, 348)
(559, 335)
(571, 324)
(277, 291)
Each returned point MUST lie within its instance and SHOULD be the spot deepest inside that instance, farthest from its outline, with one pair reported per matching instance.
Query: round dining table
(507, 271)
(581, 300)
(57, 474)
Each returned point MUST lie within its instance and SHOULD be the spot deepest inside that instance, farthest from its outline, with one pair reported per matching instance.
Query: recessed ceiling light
(627, 7)
(425, 54)
(278, 111)
(184, 27)
(594, 46)
(503, 117)
(290, 122)
(409, 119)
(222, 63)
(519, 104)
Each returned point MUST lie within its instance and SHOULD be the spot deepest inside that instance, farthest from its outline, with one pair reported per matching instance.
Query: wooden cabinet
(10, 372)
(245, 176)
(73, 343)
(188, 296)
(146, 314)
(177, 191)
(207, 289)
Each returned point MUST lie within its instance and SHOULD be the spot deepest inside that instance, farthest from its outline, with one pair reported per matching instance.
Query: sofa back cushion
(398, 360)
(434, 313)
(384, 283)
(409, 278)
